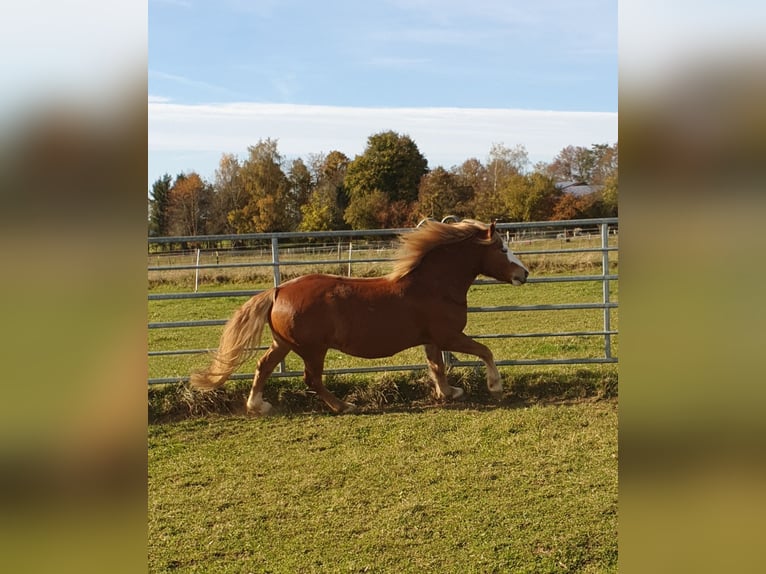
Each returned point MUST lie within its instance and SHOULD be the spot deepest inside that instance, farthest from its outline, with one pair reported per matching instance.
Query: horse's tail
(241, 333)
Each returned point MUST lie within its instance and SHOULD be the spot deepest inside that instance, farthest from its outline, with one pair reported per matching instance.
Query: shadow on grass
(390, 392)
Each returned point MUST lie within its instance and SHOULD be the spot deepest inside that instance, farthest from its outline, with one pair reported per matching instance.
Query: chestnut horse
(422, 302)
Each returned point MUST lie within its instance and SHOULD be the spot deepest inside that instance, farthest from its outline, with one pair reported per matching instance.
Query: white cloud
(446, 136)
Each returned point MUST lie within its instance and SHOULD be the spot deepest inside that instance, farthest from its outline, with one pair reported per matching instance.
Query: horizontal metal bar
(559, 307)
(250, 292)
(195, 351)
(209, 266)
(180, 352)
(202, 295)
(572, 279)
(552, 334)
(270, 264)
(522, 362)
(176, 324)
(369, 232)
(504, 308)
(562, 251)
(490, 336)
(395, 368)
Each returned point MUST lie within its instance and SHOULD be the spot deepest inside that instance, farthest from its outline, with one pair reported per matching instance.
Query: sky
(456, 76)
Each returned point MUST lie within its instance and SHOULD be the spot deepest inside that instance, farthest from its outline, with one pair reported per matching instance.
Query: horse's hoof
(259, 410)
(457, 393)
(496, 395)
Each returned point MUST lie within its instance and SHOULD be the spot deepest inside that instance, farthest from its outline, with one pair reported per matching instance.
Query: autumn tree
(504, 166)
(267, 206)
(530, 197)
(189, 205)
(569, 206)
(369, 211)
(390, 169)
(604, 163)
(301, 184)
(228, 194)
(324, 209)
(609, 195)
(472, 175)
(443, 193)
(158, 206)
(573, 163)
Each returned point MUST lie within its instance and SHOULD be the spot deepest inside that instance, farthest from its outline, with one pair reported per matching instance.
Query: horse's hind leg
(439, 375)
(266, 365)
(313, 376)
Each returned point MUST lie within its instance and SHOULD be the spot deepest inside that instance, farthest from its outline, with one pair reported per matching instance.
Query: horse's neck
(449, 272)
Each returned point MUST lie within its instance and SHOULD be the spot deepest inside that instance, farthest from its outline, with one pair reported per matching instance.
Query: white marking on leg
(256, 404)
(494, 382)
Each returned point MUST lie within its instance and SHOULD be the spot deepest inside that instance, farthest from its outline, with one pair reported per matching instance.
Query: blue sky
(456, 76)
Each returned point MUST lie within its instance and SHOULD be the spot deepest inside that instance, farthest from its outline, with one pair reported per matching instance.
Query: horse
(423, 301)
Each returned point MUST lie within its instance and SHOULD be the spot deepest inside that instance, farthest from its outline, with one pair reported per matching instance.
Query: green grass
(429, 490)
(528, 484)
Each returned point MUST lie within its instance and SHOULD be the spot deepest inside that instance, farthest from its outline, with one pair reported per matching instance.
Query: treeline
(389, 185)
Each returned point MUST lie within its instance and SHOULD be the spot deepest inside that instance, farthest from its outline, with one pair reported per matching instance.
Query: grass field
(526, 484)
(432, 490)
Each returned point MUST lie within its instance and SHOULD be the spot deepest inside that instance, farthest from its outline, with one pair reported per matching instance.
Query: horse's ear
(492, 229)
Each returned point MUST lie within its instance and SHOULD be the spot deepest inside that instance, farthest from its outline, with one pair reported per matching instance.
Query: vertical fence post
(349, 258)
(277, 280)
(605, 287)
(275, 261)
(196, 272)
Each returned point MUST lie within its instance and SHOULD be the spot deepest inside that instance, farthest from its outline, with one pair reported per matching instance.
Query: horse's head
(499, 261)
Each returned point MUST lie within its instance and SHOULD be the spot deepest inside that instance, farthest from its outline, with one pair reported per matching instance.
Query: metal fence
(277, 253)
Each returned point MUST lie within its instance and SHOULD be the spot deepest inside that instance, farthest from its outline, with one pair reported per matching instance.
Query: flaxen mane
(416, 245)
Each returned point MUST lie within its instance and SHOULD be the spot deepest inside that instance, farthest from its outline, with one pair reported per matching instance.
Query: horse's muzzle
(519, 277)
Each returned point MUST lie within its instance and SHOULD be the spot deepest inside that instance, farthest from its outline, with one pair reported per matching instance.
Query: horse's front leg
(462, 343)
(438, 374)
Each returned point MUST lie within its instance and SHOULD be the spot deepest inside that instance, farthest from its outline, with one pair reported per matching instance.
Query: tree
(504, 167)
(391, 165)
(609, 195)
(604, 163)
(228, 194)
(189, 205)
(158, 206)
(573, 163)
(472, 175)
(441, 193)
(267, 205)
(368, 211)
(504, 162)
(530, 197)
(569, 206)
(301, 185)
(325, 207)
